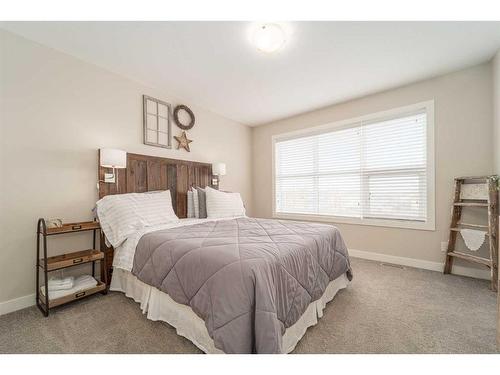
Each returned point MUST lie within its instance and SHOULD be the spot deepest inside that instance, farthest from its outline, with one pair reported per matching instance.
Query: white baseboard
(17, 304)
(418, 263)
(29, 300)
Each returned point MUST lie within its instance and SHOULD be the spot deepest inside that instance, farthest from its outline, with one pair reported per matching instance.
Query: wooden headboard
(149, 173)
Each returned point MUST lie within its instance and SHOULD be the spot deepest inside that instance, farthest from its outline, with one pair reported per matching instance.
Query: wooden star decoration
(183, 142)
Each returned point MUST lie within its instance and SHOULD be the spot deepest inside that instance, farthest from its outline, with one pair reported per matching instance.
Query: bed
(229, 285)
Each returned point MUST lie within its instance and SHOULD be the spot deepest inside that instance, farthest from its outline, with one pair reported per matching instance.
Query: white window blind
(373, 169)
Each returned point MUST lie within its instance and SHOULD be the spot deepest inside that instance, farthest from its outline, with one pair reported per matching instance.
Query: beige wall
(496, 111)
(463, 132)
(496, 144)
(55, 112)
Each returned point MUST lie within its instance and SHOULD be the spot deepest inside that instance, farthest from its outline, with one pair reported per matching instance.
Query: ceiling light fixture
(269, 37)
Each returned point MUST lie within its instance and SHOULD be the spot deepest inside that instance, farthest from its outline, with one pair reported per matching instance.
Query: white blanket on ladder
(473, 238)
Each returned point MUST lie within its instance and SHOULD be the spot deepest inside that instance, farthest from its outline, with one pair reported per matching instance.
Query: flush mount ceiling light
(269, 37)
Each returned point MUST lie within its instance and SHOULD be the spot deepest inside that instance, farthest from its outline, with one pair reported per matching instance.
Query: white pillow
(121, 215)
(196, 203)
(220, 204)
(190, 204)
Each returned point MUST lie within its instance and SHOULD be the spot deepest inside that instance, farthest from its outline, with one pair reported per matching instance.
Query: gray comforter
(248, 279)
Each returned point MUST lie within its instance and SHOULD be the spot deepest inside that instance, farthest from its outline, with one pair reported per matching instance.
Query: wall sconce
(112, 158)
(218, 169)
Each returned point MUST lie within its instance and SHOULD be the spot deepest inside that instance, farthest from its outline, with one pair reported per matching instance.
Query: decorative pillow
(221, 204)
(196, 204)
(202, 202)
(190, 204)
(121, 215)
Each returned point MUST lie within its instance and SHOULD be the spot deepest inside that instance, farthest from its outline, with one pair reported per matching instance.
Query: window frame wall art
(157, 126)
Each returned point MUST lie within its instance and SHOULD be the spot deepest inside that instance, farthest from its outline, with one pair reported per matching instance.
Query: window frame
(157, 116)
(428, 224)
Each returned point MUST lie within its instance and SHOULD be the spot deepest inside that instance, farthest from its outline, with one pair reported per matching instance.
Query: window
(376, 170)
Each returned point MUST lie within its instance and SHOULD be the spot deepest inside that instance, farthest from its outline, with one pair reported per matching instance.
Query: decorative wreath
(176, 117)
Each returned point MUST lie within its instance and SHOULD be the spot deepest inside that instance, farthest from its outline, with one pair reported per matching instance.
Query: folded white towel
(61, 284)
(80, 283)
(473, 238)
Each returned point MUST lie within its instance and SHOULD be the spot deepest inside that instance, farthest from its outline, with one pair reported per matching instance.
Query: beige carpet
(385, 309)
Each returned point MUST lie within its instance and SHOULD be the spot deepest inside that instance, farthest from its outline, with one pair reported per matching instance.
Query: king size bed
(228, 282)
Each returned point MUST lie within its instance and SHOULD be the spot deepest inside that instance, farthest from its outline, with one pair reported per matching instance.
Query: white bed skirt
(159, 306)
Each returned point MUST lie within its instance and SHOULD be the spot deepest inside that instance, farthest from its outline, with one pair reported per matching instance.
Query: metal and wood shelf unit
(49, 264)
(490, 202)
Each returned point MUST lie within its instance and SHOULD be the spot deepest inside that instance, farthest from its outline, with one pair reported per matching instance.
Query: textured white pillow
(190, 204)
(121, 215)
(196, 203)
(220, 204)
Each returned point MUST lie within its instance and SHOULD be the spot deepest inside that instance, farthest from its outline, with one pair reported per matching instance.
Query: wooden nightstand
(49, 264)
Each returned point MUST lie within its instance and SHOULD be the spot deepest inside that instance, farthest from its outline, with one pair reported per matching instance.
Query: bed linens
(123, 257)
(248, 279)
(122, 215)
(157, 305)
(196, 203)
(223, 204)
(190, 205)
(202, 202)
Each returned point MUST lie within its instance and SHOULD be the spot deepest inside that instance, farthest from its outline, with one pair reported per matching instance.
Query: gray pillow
(202, 202)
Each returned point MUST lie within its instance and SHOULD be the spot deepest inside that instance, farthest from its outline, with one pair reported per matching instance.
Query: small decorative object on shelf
(178, 122)
(48, 264)
(53, 223)
(183, 141)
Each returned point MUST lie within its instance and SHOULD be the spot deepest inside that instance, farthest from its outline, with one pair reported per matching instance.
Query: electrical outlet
(444, 246)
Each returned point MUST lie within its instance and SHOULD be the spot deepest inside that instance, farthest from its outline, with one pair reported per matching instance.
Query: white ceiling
(214, 65)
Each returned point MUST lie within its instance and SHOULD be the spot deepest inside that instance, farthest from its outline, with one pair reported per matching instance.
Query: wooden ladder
(491, 205)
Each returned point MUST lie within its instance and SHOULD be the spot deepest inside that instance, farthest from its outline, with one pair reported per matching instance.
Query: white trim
(420, 263)
(355, 221)
(17, 304)
(429, 224)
